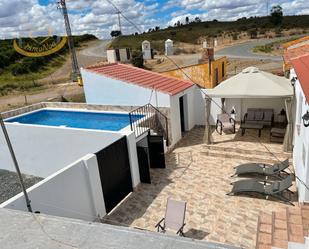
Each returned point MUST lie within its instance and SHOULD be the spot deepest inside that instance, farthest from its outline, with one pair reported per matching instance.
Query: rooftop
(301, 67)
(141, 77)
(21, 230)
(200, 175)
(295, 43)
(293, 53)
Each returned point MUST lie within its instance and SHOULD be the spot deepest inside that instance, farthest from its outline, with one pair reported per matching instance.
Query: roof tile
(301, 66)
(141, 77)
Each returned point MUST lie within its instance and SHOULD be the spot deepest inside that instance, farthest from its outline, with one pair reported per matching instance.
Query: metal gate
(115, 173)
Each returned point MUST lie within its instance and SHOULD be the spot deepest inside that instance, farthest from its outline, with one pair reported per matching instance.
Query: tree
(178, 24)
(253, 33)
(197, 19)
(157, 28)
(137, 59)
(116, 33)
(276, 15)
(187, 20)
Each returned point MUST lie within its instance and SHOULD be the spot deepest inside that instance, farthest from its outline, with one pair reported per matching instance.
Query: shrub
(18, 69)
(137, 59)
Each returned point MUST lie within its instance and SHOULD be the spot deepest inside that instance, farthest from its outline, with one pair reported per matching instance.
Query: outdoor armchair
(225, 123)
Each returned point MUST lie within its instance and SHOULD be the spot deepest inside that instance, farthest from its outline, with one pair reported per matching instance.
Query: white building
(169, 47)
(300, 74)
(118, 55)
(125, 85)
(146, 48)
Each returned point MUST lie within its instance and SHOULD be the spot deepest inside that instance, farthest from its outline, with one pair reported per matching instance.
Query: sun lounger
(262, 169)
(174, 219)
(265, 188)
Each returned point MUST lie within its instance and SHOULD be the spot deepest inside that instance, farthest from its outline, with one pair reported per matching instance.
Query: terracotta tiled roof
(294, 42)
(301, 67)
(291, 54)
(141, 77)
(279, 228)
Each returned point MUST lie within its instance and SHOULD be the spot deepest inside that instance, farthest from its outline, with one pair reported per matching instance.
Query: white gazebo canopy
(250, 84)
(253, 83)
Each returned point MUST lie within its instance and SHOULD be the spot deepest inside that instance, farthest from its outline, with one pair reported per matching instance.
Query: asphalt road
(96, 50)
(244, 51)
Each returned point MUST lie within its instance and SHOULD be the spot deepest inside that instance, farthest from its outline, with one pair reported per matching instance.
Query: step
(282, 228)
(247, 151)
(232, 155)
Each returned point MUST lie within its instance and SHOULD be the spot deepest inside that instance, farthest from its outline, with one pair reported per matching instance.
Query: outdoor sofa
(259, 116)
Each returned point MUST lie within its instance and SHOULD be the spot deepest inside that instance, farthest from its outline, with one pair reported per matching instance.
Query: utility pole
(119, 20)
(9, 144)
(75, 68)
(267, 6)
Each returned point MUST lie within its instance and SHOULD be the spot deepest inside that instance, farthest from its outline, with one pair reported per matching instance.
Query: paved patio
(200, 175)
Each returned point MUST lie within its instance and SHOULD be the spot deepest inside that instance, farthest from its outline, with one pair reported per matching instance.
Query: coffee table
(245, 126)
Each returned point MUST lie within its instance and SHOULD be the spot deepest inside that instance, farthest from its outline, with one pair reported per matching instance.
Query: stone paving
(200, 175)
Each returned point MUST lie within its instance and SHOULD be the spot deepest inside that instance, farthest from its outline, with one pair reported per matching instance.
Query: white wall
(215, 109)
(43, 150)
(241, 105)
(107, 91)
(111, 56)
(132, 151)
(301, 143)
(192, 101)
(123, 55)
(74, 192)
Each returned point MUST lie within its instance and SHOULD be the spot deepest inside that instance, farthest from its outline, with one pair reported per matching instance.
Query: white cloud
(19, 17)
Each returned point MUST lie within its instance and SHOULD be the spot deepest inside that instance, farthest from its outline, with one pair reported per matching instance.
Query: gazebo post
(207, 133)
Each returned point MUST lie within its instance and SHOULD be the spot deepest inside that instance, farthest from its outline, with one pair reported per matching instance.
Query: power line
(119, 12)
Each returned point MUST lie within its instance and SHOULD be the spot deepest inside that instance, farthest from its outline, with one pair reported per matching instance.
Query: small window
(223, 71)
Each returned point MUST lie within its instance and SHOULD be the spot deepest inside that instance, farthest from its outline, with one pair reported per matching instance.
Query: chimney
(208, 55)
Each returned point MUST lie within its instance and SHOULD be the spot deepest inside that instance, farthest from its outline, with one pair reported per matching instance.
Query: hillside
(18, 72)
(196, 32)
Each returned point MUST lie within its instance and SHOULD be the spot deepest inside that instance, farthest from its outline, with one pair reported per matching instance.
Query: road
(244, 50)
(96, 50)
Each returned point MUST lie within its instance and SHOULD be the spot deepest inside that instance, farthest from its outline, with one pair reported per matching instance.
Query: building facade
(206, 75)
(300, 75)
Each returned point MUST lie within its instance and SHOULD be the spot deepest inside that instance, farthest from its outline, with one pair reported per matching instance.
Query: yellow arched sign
(40, 49)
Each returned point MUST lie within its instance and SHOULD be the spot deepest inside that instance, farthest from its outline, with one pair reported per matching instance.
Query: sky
(20, 18)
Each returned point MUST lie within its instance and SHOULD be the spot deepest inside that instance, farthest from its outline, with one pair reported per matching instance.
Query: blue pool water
(76, 119)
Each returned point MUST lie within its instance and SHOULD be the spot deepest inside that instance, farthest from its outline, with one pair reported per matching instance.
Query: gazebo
(253, 88)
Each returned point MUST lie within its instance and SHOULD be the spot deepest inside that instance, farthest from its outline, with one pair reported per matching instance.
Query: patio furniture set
(275, 189)
(256, 119)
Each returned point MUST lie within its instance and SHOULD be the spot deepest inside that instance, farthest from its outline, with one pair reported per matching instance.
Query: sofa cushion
(259, 115)
(251, 115)
(268, 115)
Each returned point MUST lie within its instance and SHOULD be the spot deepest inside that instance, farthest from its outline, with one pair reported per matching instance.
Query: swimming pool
(76, 119)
